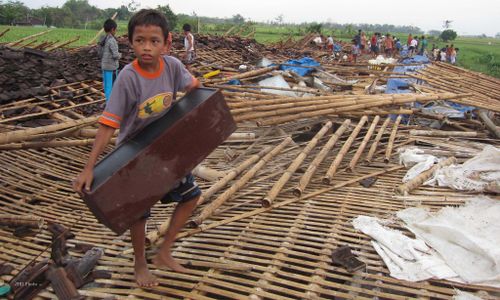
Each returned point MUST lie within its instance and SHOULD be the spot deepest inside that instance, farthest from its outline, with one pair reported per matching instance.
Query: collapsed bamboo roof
(253, 236)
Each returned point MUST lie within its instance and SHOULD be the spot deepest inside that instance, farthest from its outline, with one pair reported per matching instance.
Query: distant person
(453, 56)
(442, 55)
(189, 44)
(110, 56)
(435, 52)
(413, 46)
(423, 46)
(354, 51)
(408, 41)
(168, 47)
(449, 50)
(329, 44)
(397, 46)
(363, 43)
(373, 45)
(318, 41)
(389, 45)
(357, 38)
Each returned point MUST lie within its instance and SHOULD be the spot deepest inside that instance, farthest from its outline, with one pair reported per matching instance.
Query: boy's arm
(113, 46)
(85, 178)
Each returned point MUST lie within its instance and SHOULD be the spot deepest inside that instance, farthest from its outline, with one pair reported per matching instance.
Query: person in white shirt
(189, 44)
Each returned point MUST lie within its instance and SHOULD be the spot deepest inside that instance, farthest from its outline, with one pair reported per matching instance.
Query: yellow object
(211, 74)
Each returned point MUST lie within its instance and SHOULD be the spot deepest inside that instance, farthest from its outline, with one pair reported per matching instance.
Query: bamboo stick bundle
(340, 156)
(244, 75)
(295, 89)
(390, 145)
(443, 133)
(354, 107)
(63, 44)
(361, 148)
(380, 133)
(17, 42)
(406, 188)
(31, 133)
(306, 178)
(209, 209)
(278, 186)
(380, 112)
(29, 221)
(50, 144)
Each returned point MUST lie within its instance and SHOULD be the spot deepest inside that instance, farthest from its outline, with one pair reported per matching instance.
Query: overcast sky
(469, 17)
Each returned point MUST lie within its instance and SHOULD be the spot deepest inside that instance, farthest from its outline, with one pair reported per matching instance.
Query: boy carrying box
(143, 92)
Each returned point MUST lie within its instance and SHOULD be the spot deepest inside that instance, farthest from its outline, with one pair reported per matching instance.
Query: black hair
(148, 17)
(109, 25)
(186, 27)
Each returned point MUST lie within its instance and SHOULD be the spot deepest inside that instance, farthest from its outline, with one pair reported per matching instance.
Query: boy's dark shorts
(186, 190)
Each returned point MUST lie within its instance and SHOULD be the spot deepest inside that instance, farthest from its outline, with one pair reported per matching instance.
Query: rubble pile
(28, 72)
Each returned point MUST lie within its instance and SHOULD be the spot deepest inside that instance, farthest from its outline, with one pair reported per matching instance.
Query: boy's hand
(84, 179)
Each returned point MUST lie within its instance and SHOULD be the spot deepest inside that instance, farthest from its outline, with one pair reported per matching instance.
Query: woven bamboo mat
(243, 251)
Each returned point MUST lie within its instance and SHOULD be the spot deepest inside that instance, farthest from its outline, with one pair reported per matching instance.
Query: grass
(477, 54)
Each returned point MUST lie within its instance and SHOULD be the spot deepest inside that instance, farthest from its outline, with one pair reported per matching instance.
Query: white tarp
(464, 241)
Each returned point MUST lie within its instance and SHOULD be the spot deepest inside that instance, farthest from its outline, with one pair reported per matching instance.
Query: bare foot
(163, 259)
(143, 277)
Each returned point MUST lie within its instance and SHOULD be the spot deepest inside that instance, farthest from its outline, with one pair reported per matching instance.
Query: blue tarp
(401, 86)
(299, 66)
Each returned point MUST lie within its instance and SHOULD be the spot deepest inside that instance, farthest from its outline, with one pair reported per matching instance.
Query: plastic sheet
(300, 66)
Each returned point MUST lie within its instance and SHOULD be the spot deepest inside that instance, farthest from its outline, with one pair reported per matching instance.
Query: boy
(354, 51)
(110, 56)
(144, 91)
(189, 44)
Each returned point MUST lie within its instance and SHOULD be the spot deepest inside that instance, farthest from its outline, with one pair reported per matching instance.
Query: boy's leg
(182, 212)
(107, 82)
(143, 276)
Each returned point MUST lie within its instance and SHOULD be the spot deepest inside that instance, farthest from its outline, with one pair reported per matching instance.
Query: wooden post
(489, 124)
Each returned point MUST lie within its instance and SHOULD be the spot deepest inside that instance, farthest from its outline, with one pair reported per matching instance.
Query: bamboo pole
(406, 188)
(380, 133)
(443, 133)
(209, 210)
(340, 156)
(92, 41)
(244, 75)
(278, 186)
(14, 43)
(207, 173)
(29, 221)
(489, 124)
(30, 133)
(304, 180)
(361, 148)
(4, 32)
(50, 144)
(54, 47)
(355, 106)
(392, 138)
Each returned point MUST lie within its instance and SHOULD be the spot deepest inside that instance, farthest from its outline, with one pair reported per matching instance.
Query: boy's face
(148, 43)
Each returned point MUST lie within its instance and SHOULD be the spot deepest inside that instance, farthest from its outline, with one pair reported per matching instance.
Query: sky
(469, 17)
